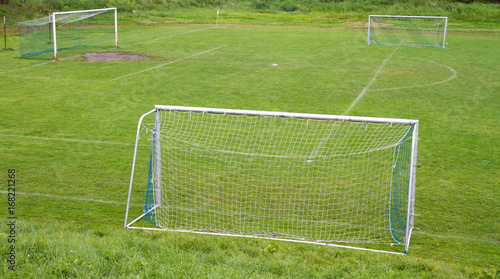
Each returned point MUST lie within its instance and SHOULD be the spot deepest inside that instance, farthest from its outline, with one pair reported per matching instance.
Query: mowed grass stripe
(168, 63)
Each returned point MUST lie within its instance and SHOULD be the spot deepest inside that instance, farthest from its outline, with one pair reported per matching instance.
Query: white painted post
(54, 34)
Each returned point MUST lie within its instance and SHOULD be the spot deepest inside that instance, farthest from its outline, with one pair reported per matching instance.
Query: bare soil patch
(109, 56)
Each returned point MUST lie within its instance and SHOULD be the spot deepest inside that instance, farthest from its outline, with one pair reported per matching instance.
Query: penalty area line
(453, 75)
(168, 63)
(36, 65)
(69, 140)
(70, 198)
(362, 93)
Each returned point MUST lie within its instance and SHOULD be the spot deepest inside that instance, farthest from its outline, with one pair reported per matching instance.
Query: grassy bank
(64, 251)
(292, 12)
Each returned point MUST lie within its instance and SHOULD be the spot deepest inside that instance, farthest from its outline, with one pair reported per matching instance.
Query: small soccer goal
(417, 31)
(313, 178)
(45, 37)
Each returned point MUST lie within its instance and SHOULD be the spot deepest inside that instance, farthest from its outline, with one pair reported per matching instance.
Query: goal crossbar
(400, 193)
(287, 115)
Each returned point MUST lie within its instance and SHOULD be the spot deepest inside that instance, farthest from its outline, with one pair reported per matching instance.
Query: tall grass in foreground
(60, 250)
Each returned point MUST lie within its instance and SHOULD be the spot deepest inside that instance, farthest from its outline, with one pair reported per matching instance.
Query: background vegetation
(292, 12)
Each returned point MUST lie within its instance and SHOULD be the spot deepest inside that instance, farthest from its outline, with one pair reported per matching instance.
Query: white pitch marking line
(68, 198)
(454, 75)
(324, 139)
(164, 64)
(168, 37)
(27, 67)
(370, 83)
(71, 140)
(49, 78)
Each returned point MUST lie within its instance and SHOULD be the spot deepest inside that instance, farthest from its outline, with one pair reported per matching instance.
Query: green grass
(171, 255)
(65, 230)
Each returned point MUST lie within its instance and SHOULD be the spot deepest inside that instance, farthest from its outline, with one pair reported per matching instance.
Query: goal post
(7, 29)
(68, 30)
(312, 178)
(397, 30)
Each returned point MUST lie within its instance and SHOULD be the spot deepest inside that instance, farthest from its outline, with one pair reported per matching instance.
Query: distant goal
(313, 178)
(421, 31)
(45, 37)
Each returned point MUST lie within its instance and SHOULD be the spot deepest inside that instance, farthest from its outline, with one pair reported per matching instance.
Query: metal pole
(411, 188)
(84, 11)
(133, 165)
(445, 29)
(5, 33)
(54, 35)
(369, 26)
(116, 29)
(217, 21)
(157, 159)
(290, 115)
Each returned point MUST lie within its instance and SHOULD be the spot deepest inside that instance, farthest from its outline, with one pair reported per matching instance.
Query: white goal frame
(54, 15)
(310, 117)
(369, 38)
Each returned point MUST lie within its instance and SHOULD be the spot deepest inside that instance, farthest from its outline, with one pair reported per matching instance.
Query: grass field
(68, 127)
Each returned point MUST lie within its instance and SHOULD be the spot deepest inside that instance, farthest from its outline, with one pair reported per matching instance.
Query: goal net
(424, 31)
(311, 178)
(44, 37)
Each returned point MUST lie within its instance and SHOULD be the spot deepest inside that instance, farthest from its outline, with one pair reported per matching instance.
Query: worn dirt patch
(366, 23)
(109, 56)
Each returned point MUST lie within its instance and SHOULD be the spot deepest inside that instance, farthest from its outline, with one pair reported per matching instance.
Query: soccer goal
(423, 31)
(313, 178)
(44, 37)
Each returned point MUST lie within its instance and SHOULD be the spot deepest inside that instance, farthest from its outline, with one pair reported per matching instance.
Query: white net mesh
(408, 31)
(273, 177)
(62, 18)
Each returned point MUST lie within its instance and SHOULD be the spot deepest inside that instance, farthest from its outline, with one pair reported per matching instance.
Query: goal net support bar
(310, 178)
(426, 31)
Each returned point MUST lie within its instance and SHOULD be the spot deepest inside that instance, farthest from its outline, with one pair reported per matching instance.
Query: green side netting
(397, 207)
(150, 192)
(10, 20)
